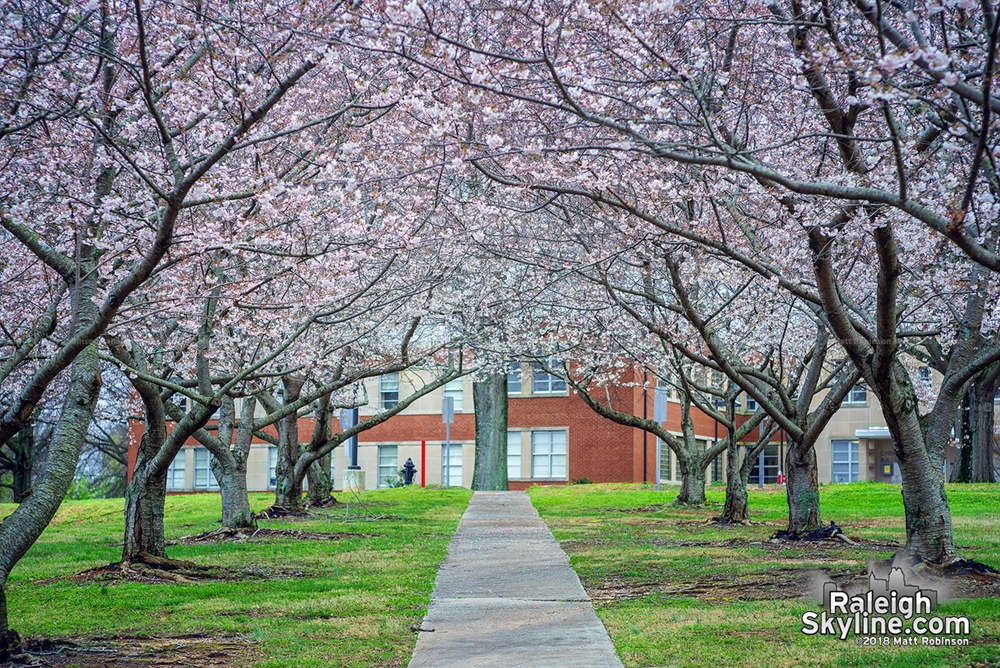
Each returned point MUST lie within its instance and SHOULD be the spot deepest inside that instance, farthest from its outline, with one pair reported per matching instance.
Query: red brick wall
(598, 449)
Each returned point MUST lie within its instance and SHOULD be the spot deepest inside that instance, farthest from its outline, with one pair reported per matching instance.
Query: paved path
(507, 597)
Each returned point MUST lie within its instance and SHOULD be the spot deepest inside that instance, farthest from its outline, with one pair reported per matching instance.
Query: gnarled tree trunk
(692, 491)
(320, 481)
(737, 504)
(919, 448)
(145, 497)
(801, 488)
(288, 487)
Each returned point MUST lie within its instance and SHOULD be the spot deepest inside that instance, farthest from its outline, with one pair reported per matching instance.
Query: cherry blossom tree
(119, 123)
(844, 151)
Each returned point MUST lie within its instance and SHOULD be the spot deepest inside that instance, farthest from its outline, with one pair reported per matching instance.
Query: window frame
(455, 456)
(382, 476)
(272, 467)
(850, 399)
(518, 455)
(385, 388)
(543, 382)
(456, 392)
(173, 470)
(550, 455)
(209, 476)
(514, 370)
(853, 461)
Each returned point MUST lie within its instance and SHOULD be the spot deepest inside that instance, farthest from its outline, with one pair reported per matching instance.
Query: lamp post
(448, 416)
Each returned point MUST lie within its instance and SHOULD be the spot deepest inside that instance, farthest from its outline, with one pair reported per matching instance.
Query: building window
(845, 461)
(548, 454)
(203, 476)
(751, 404)
(717, 469)
(455, 390)
(513, 455)
(543, 382)
(514, 378)
(454, 468)
(857, 395)
(925, 374)
(389, 390)
(388, 465)
(175, 472)
(666, 461)
(272, 467)
(771, 466)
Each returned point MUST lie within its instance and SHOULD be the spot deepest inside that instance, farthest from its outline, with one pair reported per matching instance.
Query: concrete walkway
(507, 597)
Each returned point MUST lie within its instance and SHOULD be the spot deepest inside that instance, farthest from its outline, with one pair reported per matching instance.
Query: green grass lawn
(325, 603)
(673, 592)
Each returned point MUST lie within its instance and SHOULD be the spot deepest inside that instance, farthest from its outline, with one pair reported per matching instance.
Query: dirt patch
(227, 534)
(715, 523)
(644, 509)
(350, 511)
(776, 584)
(800, 549)
(163, 651)
(113, 574)
(796, 569)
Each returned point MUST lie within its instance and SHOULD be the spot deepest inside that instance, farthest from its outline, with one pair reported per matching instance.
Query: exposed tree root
(144, 574)
(700, 505)
(279, 511)
(722, 522)
(240, 535)
(328, 502)
(644, 509)
(958, 567)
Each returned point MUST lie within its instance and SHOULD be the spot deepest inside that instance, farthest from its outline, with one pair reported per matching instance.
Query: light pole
(448, 416)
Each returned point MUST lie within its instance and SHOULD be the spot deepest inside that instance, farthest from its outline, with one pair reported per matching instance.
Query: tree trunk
(145, 497)
(736, 508)
(801, 488)
(490, 401)
(20, 530)
(692, 492)
(10, 640)
(320, 482)
(919, 447)
(961, 470)
(22, 447)
(928, 516)
(982, 416)
(288, 487)
(233, 490)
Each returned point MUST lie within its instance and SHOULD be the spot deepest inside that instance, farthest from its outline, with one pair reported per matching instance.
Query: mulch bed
(114, 573)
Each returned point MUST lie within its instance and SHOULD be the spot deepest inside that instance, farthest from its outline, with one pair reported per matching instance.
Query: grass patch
(352, 604)
(674, 592)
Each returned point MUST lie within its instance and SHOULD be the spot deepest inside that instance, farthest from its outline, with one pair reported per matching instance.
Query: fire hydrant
(408, 470)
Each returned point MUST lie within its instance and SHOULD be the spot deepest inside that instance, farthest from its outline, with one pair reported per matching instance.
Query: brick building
(553, 438)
